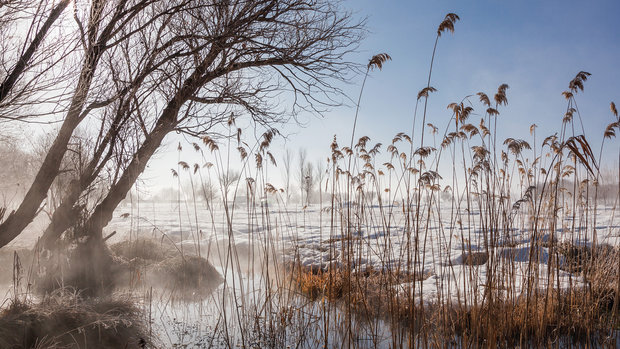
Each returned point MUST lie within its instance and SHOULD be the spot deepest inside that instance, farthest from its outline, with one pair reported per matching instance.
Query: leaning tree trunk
(68, 212)
(103, 212)
(64, 217)
(17, 221)
(166, 123)
(98, 271)
(25, 213)
(95, 275)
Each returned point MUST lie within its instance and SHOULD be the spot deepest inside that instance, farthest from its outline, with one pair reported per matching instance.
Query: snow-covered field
(241, 241)
(314, 237)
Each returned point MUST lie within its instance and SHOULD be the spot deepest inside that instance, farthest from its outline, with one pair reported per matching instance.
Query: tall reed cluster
(505, 249)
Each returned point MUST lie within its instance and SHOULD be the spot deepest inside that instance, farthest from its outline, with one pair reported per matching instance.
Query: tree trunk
(25, 213)
(92, 269)
(103, 212)
(165, 124)
(68, 213)
(63, 218)
(29, 208)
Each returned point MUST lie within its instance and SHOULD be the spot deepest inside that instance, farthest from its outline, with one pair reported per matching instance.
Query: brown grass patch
(144, 251)
(475, 258)
(65, 320)
(579, 315)
(576, 316)
(588, 259)
(315, 283)
(358, 286)
(193, 276)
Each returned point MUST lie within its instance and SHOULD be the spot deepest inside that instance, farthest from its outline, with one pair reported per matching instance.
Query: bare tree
(287, 159)
(106, 25)
(209, 192)
(132, 87)
(240, 47)
(308, 181)
(152, 68)
(302, 172)
(227, 181)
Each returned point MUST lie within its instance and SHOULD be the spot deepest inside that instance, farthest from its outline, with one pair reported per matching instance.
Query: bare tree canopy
(24, 58)
(150, 68)
(254, 50)
(101, 27)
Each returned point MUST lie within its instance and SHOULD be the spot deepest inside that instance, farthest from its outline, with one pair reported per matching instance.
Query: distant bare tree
(227, 181)
(16, 171)
(301, 163)
(287, 159)
(320, 176)
(308, 181)
(209, 192)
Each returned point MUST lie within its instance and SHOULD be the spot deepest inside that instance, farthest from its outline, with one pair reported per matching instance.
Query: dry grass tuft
(315, 283)
(191, 275)
(582, 258)
(88, 267)
(336, 284)
(144, 251)
(475, 258)
(64, 320)
(569, 315)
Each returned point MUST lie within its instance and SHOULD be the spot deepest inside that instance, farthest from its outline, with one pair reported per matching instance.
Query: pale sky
(536, 47)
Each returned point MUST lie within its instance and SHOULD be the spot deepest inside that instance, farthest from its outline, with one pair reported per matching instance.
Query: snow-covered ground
(239, 242)
(314, 237)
